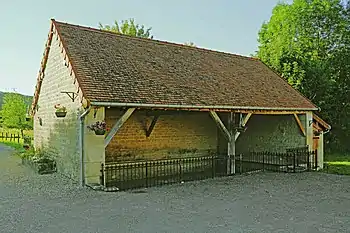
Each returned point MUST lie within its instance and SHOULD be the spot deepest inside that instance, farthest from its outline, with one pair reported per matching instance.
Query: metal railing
(140, 174)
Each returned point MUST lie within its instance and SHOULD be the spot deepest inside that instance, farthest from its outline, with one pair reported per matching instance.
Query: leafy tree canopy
(14, 112)
(190, 44)
(128, 27)
(308, 43)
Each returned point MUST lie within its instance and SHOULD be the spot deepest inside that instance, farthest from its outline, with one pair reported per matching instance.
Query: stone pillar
(309, 134)
(231, 147)
(320, 151)
(94, 149)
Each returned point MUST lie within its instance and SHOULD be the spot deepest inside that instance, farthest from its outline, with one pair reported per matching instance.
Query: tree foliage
(14, 112)
(128, 27)
(308, 43)
(190, 44)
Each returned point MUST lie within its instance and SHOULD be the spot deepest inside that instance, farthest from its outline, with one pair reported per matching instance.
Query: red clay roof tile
(124, 69)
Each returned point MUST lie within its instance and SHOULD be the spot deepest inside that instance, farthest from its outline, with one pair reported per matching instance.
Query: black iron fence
(159, 172)
(140, 174)
(297, 161)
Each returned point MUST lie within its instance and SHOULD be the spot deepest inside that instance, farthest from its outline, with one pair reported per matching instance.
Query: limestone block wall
(58, 137)
(174, 135)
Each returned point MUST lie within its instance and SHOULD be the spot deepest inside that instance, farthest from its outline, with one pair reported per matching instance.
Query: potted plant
(98, 127)
(60, 110)
(27, 141)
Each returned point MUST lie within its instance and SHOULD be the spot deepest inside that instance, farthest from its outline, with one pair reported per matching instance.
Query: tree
(190, 44)
(308, 43)
(14, 112)
(128, 27)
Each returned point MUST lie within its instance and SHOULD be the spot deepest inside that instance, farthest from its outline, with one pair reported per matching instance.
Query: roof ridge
(154, 40)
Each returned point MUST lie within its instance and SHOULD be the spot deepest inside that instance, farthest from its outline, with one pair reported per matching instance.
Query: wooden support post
(221, 125)
(245, 121)
(231, 147)
(118, 125)
(299, 124)
(153, 123)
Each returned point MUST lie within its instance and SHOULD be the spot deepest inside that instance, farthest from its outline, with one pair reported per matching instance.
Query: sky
(224, 25)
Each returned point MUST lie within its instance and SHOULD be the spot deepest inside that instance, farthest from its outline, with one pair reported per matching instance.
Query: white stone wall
(58, 137)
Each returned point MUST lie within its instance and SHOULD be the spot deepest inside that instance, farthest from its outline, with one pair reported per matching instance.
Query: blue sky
(224, 25)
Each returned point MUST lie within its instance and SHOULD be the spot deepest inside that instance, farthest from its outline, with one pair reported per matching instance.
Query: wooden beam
(271, 112)
(245, 121)
(299, 124)
(221, 125)
(118, 125)
(153, 123)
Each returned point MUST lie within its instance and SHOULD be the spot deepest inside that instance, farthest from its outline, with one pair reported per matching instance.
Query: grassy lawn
(337, 164)
(17, 146)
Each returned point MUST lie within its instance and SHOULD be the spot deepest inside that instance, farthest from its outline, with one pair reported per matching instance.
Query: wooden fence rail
(10, 137)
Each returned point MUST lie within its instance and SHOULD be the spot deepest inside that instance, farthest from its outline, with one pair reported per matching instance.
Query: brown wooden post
(18, 138)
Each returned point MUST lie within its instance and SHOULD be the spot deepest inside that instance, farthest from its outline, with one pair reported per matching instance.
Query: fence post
(213, 166)
(263, 160)
(316, 162)
(146, 174)
(240, 163)
(102, 179)
(294, 161)
(18, 138)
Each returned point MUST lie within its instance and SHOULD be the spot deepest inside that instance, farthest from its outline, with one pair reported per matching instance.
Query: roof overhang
(222, 108)
(321, 124)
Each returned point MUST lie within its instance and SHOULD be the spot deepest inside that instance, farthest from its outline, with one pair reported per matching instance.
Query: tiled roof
(123, 69)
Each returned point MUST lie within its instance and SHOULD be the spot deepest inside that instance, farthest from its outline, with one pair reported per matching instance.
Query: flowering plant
(97, 126)
(60, 108)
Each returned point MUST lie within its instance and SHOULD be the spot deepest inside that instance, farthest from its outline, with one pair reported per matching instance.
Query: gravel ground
(263, 202)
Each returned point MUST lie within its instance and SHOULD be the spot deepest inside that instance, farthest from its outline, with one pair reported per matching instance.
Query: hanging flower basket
(100, 132)
(60, 110)
(99, 128)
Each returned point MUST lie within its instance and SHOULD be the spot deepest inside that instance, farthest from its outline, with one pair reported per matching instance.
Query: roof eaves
(72, 64)
(175, 106)
(322, 122)
(301, 94)
(42, 70)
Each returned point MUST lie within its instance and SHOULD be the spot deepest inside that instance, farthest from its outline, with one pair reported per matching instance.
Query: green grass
(337, 164)
(15, 145)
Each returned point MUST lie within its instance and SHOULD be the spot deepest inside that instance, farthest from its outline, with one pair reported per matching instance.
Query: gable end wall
(58, 137)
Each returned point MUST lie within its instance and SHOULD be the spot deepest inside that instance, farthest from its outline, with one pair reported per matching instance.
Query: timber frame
(116, 127)
(231, 132)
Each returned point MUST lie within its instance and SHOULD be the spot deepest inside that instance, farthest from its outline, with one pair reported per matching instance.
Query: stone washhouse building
(160, 100)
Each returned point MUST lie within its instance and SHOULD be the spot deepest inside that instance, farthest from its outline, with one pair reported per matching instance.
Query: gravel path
(265, 202)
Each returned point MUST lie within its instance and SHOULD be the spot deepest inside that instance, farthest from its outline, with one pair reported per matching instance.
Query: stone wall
(176, 134)
(272, 133)
(58, 137)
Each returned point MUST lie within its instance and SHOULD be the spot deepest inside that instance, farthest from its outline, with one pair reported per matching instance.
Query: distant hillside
(27, 98)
